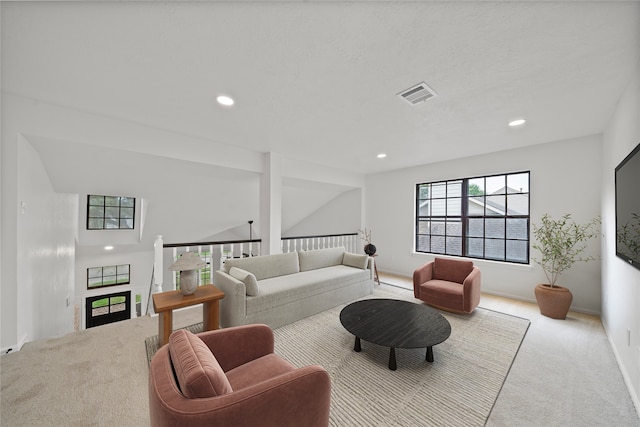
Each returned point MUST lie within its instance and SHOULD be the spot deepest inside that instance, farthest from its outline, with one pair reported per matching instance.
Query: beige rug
(459, 388)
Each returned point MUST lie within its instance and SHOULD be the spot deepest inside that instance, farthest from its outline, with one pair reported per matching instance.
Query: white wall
(340, 215)
(620, 281)
(45, 250)
(565, 178)
(141, 266)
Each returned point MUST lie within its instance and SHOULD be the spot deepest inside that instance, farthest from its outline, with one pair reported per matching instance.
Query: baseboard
(533, 301)
(13, 349)
(625, 375)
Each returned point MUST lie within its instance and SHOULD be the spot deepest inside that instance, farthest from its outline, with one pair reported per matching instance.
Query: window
(98, 277)
(483, 217)
(110, 212)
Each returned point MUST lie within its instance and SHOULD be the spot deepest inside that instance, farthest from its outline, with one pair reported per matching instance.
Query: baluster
(211, 265)
(174, 282)
(222, 256)
(158, 265)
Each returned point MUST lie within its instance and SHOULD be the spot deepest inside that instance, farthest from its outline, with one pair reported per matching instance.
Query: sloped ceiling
(189, 201)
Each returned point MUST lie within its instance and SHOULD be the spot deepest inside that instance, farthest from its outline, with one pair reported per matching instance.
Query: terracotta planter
(553, 302)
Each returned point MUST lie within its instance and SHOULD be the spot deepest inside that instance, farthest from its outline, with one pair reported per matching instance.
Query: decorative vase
(370, 249)
(554, 302)
(188, 281)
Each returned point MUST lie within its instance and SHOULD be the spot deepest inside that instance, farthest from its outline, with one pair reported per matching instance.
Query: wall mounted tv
(628, 208)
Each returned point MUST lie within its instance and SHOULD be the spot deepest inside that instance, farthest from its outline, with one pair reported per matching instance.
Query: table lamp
(187, 265)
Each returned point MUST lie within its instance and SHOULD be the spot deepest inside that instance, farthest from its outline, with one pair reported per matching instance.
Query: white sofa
(282, 288)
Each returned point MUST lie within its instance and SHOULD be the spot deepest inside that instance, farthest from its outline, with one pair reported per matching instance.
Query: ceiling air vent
(418, 93)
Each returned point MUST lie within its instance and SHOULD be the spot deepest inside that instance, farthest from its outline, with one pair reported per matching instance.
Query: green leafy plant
(561, 243)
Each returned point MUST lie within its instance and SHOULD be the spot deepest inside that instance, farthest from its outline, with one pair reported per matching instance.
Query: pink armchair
(244, 384)
(449, 284)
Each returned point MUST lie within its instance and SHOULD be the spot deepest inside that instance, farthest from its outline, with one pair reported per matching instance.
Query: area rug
(459, 388)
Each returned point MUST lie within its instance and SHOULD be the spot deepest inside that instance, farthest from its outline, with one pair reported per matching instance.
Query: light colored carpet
(459, 388)
(99, 376)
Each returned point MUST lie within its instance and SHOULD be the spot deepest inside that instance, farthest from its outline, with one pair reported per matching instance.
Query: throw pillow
(249, 280)
(198, 372)
(355, 260)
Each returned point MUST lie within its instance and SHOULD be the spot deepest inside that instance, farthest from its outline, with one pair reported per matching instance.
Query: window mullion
(464, 213)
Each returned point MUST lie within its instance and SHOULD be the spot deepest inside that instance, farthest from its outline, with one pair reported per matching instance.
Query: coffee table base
(357, 347)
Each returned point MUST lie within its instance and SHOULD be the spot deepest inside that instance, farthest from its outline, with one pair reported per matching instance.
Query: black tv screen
(628, 208)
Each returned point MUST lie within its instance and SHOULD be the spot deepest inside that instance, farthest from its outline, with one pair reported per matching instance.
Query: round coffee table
(395, 324)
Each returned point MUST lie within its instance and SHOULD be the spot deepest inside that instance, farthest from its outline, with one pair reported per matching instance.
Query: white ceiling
(317, 81)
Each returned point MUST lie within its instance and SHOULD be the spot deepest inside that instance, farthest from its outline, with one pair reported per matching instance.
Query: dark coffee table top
(395, 323)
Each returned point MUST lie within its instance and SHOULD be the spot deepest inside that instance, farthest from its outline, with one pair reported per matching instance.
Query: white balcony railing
(215, 254)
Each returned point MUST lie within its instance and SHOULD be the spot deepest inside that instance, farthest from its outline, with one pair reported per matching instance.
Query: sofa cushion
(320, 258)
(198, 372)
(451, 270)
(266, 266)
(355, 260)
(283, 290)
(250, 282)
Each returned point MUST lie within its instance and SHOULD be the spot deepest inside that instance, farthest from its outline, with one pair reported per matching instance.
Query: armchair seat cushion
(443, 288)
(258, 370)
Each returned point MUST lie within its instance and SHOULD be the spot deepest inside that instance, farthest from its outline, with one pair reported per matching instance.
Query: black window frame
(97, 210)
(102, 276)
(461, 223)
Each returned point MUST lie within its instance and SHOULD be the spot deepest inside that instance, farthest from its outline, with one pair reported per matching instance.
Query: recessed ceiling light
(382, 156)
(108, 248)
(517, 122)
(224, 100)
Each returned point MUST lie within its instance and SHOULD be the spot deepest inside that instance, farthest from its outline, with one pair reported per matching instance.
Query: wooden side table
(165, 302)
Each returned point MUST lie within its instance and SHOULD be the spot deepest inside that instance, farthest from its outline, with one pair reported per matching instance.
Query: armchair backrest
(451, 270)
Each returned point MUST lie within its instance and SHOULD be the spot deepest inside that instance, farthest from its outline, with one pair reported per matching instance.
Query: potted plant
(369, 248)
(561, 243)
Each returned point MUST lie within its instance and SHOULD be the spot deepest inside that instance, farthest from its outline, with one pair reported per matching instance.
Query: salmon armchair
(449, 284)
(231, 377)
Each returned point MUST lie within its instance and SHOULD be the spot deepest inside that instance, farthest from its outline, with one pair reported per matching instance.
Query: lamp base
(188, 281)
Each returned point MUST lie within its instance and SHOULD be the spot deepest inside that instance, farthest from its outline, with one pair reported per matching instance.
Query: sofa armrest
(471, 289)
(233, 309)
(254, 340)
(421, 275)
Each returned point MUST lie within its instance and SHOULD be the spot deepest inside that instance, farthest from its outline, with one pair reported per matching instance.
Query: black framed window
(110, 212)
(99, 277)
(485, 217)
